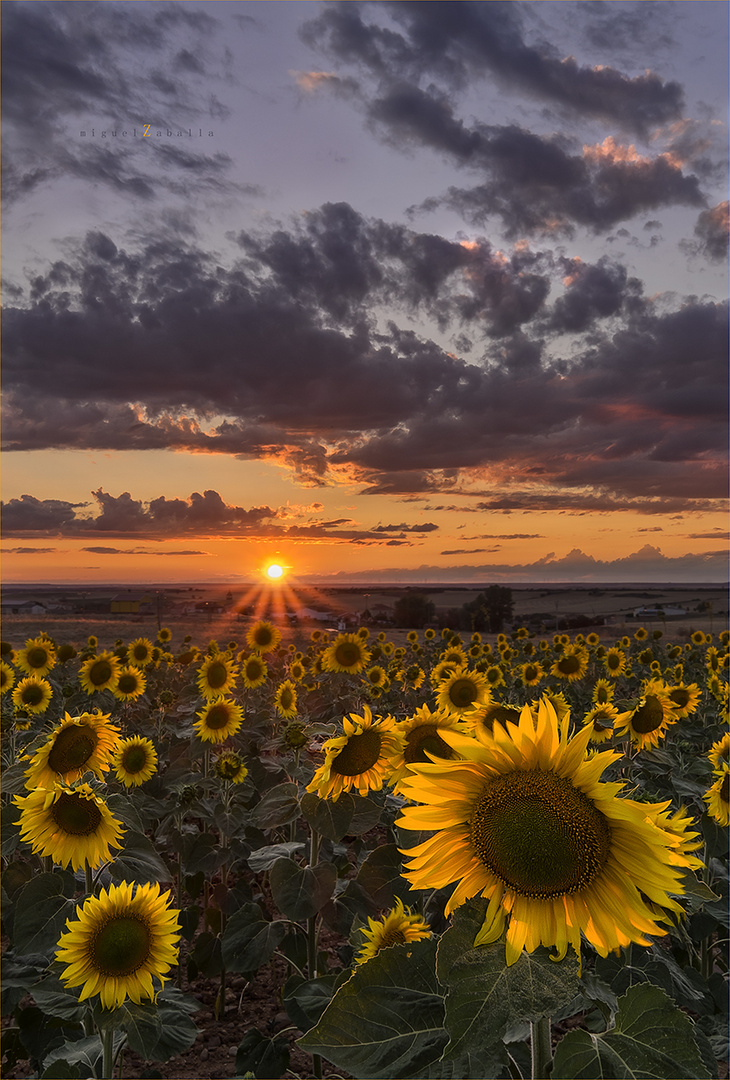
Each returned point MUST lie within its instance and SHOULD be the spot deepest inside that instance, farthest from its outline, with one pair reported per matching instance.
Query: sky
(405, 291)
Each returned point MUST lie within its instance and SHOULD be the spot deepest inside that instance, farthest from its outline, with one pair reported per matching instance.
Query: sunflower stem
(89, 878)
(107, 1043)
(541, 1047)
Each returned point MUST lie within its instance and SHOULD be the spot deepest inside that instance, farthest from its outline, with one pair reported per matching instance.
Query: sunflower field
(464, 858)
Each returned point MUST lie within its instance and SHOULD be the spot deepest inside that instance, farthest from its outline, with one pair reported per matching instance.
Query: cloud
(293, 355)
(713, 232)
(110, 67)
(648, 564)
(139, 551)
(29, 550)
(460, 42)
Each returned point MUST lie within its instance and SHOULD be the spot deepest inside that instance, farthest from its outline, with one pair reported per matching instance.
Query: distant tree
(491, 609)
(413, 609)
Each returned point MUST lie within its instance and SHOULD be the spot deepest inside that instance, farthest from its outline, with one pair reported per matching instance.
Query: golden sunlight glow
(274, 571)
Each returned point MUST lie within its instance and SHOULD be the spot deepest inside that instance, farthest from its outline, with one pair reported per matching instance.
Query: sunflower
(164, 635)
(37, 658)
(697, 638)
(7, 677)
(346, 653)
(442, 670)
(531, 674)
(685, 699)
(131, 685)
(593, 640)
(412, 636)
(69, 824)
(525, 822)
(285, 699)
(603, 692)
(135, 761)
(32, 694)
(482, 719)
(100, 672)
(412, 677)
(120, 941)
(602, 719)
(219, 720)
(375, 676)
(454, 656)
(462, 691)
(647, 723)
(494, 676)
(360, 759)
(396, 928)
(719, 755)
(216, 677)
(718, 799)
(421, 735)
(295, 736)
(139, 652)
(230, 767)
(297, 671)
(77, 745)
(572, 664)
(253, 670)
(615, 662)
(263, 636)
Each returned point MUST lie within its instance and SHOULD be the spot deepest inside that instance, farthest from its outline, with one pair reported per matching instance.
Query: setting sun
(274, 571)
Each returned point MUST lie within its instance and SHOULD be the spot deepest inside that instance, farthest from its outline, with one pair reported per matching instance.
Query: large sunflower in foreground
(77, 745)
(360, 759)
(120, 942)
(216, 676)
(135, 761)
(525, 822)
(462, 691)
(100, 672)
(396, 928)
(422, 736)
(647, 724)
(346, 653)
(71, 825)
(219, 720)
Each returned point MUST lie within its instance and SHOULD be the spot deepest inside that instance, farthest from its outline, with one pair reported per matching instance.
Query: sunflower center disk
(463, 692)
(540, 835)
(76, 815)
(347, 654)
(135, 759)
(680, 696)
(121, 947)
(648, 717)
(72, 748)
(217, 675)
(422, 739)
(358, 755)
(32, 695)
(100, 672)
(217, 717)
(127, 684)
(392, 937)
(37, 657)
(569, 665)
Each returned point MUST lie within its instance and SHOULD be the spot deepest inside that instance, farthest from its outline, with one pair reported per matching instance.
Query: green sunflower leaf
(486, 997)
(263, 858)
(330, 818)
(652, 1039)
(382, 875)
(260, 1056)
(386, 1021)
(40, 914)
(141, 1023)
(300, 891)
(249, 940)
(279, 806)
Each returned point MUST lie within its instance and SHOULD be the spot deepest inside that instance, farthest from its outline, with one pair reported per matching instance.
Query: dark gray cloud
(458, 42)
(713, 232)
(141, 551)
(106, 69)
(269, 359)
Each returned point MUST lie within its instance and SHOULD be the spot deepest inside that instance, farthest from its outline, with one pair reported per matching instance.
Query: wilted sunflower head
(397, 927)
(77, 745)
(231, 768)
(295, 736)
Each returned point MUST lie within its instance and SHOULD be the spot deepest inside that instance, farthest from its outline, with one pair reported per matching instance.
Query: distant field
(550, 602)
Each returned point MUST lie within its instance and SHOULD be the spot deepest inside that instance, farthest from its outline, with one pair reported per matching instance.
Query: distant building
(129, 603)
(659, 612)
(23, 607)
